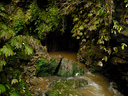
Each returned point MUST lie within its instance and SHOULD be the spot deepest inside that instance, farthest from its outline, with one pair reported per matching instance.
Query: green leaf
(28, 50)
(77, 37)
(100, 64)
(2, 25)
(105, 58)
(75, 19)
(125, 1)
(2, 88)
(126, 5)
(7, 86)
(81, 27)
(123, 45)
(7, 50)
(81, 34)
(92, 28)
(90, 14)
(2, 8)
(74, 35)
(14, 94)
(16, 43)
(10, 31)
(14, 81)
(96, 22)
(2, 63)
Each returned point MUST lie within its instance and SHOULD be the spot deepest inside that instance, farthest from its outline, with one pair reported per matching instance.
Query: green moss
(62, 89)
(70, 70)
(46, 68)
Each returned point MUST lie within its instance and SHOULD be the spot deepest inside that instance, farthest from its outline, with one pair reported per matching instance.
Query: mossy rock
(46, 68)
(72, 82)
(62, 89)
(69, 68)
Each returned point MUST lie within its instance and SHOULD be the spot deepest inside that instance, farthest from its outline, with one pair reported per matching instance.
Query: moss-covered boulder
(69, 68)
(46, 68)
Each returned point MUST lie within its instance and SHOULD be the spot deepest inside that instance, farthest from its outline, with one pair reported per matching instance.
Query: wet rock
(73, 82)
(76, 82)
(49, 85)
(38, 86)
(69, 68)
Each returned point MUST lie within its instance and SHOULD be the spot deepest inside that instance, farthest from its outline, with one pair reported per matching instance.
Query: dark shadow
(42, 4)
(58, 41)
(6, 1)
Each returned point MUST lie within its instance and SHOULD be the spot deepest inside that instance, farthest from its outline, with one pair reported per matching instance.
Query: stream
(98, 85)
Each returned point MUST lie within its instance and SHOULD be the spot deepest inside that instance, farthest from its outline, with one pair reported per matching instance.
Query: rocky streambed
(47, 75)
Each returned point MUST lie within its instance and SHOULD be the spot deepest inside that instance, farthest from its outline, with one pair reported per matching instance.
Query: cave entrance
(56, 41)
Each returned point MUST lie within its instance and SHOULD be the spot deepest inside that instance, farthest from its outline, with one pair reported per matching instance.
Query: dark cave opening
(56, 41)
(62, 41)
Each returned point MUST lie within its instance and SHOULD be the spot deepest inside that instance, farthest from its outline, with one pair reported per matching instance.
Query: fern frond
(2, 63)
(11, 31)
(2, 88)
(15, 43)
(3, 26)
(28, 50)
(5, 35)
(7, 50)
(6, 32)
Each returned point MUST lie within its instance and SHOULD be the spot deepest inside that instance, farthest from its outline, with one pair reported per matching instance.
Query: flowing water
(98, 85)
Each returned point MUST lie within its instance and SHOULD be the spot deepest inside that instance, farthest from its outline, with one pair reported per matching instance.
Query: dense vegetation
(23, 24)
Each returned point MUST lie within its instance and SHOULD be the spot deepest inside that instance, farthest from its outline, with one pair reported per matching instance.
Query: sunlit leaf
(77, 37)
(81, 27)
(81, 34)
(74, 35)
(92, 28)
(123, 45)
(105, 58)
(100, 63)
(90, 14)
(75, 19)
(14, 81)
(126, 5)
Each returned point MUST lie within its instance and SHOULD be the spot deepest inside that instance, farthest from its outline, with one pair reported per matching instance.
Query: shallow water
(98, 85)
